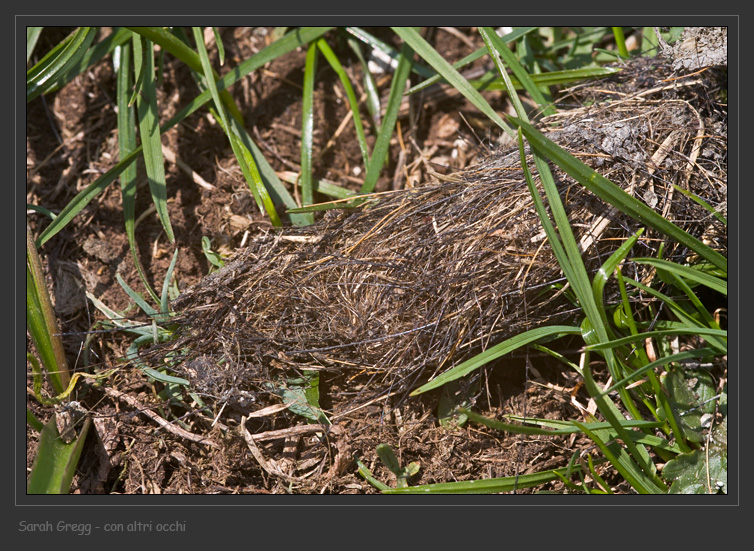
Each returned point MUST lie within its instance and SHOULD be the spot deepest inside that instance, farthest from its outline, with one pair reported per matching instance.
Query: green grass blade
(85, 196)
(381, 146)
(126, 146)
(137, 298)
(220, 46)
(607, 269)
(253, 178)
(32, 35)
(370, 86)
(44, 74)
(367, 474)
(294, 39)
(614, 195)
(55, 461)
(552, 78)
(714, 283)
(495, 352)
(490, 485)
(334, 62)
(118, 320)
(496, 46)
(325, 187)
(132, 355)
(620, 41)
(270, 188)
(170, 43)
(41, 321)
(164, 307)
(33, 421)
(510, 37)
(699, 201)
(679, 357)
(622, 462)
(690, 322)
(567, 427)
(378, 45)
(454, 78)
(244, 157)
(149, 130)
(94, 54)
(307, 125)
(640, 337)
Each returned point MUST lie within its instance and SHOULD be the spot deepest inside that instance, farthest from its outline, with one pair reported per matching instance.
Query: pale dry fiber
(415, 281)
(699, 47)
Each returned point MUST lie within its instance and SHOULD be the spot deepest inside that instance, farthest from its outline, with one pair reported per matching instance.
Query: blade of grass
(164, 309)
(32, 35)
(560, 427)
(495, 352)
(220, 47)
(137, 298)
(382, 144)
(714, 283)
(607, 269)
(490, 82)
(85, 196)
(55, 461)
(325, 187)
(270, 187)
(334, 62)
(510, 37)
(244, 157)
(294, 39)
(377, 44)
(94, 54)
(430, 55)
(640, 337)
(622, 462)
(149, 130)
(679, 357)
(307, 125)
(44, 74)
(33, 422)
(370, 86)
(614, 195)
(497, 48)
(689, 321)
(170, 43)
(490, 485)
(126, 145)
(620, 41)
(41, 320)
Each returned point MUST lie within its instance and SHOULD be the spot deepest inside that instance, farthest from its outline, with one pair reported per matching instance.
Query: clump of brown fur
(416, 281)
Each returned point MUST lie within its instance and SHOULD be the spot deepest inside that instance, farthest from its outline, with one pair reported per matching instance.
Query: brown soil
(71, 139)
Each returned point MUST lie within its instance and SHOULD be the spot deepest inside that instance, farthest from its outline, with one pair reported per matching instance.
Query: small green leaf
(689, 473)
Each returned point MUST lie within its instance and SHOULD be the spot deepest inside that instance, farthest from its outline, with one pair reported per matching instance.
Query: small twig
(178, 431)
